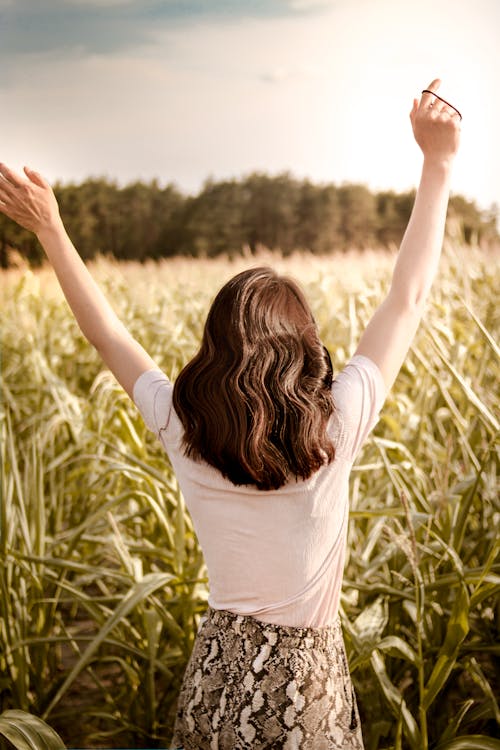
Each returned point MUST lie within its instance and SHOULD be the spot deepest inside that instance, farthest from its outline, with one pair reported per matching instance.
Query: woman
(262, 442)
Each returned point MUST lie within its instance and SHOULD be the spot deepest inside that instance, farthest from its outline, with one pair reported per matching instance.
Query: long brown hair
(255, 400)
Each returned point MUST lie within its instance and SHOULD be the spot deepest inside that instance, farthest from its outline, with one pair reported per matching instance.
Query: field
(102, 582)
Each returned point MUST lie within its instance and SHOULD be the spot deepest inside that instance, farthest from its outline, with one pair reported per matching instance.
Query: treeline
(146, 220)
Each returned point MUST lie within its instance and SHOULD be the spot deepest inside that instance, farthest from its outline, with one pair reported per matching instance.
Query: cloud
(300, 5)
(282, 73)
(100, 3)
(73, 28)
(108, 26)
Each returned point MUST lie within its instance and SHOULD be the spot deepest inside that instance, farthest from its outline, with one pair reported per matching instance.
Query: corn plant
(24, 731)
(102, 582)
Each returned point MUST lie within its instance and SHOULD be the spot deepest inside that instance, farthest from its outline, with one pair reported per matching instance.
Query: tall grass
(102, 582)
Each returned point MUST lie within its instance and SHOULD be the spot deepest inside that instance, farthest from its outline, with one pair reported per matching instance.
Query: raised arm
(32, 204)
(387, 338)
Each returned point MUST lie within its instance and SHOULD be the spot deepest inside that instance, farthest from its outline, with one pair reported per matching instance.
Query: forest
(141, 220)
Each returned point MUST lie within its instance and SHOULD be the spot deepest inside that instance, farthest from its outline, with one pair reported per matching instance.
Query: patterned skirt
(250, 685)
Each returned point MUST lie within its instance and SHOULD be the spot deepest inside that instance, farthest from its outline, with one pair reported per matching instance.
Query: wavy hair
(256, 398)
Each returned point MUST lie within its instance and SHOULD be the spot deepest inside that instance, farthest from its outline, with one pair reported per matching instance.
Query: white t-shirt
(276, 555)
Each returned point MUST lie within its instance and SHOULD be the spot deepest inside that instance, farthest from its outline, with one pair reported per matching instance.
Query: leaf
(491, 341)
(396, 646)
(470, 742)
(370, 623)
(396, 701)
(454, 724)
(139, 591)
(471, 396)
(466, 500)
(28, 732)
(456, 631)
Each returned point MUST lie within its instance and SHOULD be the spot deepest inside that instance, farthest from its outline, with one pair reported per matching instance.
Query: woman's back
(277, 555)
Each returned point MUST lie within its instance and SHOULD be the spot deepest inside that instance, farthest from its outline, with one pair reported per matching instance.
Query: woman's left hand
(436, 125)
(29, 202)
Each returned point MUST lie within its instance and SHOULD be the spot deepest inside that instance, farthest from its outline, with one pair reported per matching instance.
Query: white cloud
(282, 73)
(302, 5)
(99, 3)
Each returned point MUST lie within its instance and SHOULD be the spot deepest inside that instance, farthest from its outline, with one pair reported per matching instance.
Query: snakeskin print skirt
(251, 685)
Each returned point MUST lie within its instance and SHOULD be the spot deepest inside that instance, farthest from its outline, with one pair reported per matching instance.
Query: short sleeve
(152, 395)
(358, 394)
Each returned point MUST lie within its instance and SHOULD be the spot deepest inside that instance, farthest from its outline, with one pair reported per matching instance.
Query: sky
(185, 90)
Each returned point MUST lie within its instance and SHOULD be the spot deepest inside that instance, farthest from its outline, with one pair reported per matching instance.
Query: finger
(7, 189)
(438, 106)
(434, 84)
(427, 98)
(414, 108)
(35, 177)
(7, 208)
(10, 176)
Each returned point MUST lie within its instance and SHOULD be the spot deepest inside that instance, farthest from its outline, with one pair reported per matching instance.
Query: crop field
(102, 582)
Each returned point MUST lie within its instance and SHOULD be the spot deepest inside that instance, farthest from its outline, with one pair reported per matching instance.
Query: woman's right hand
(436, 127)
(29, 202)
